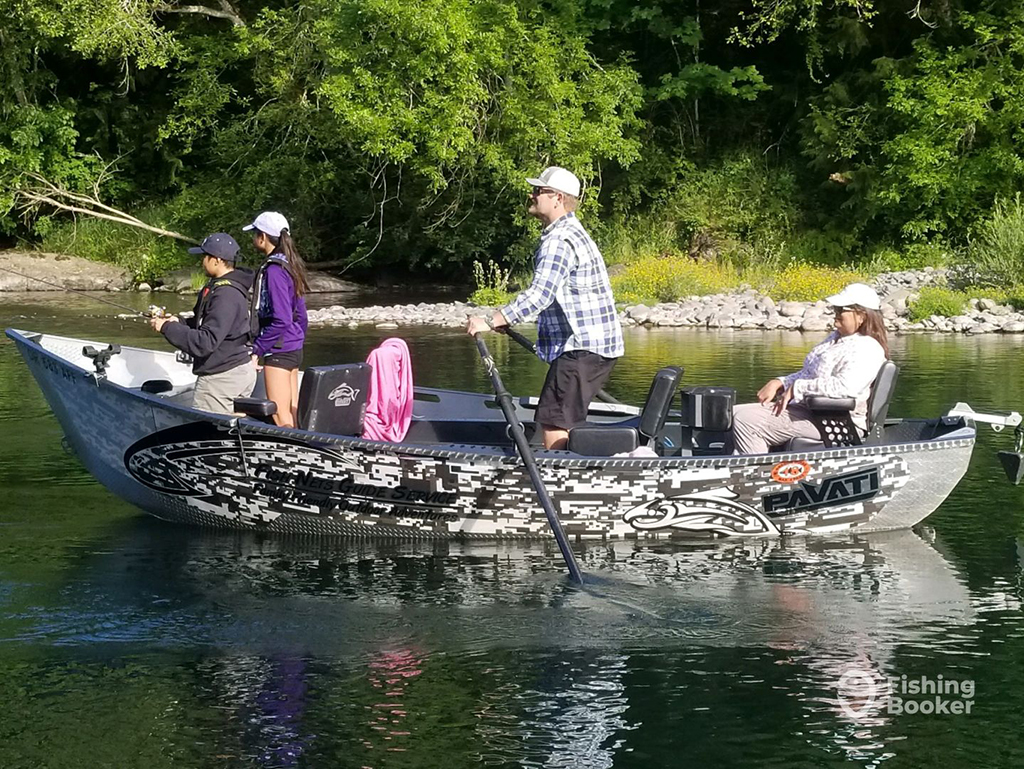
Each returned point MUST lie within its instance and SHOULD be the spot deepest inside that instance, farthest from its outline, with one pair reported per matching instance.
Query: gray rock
(1013, 327)
(145, 287)
(899, 299)
(814, 324)
(325, 283)
(985, 304)
(640, 313)
(792, 309)
(58, 271)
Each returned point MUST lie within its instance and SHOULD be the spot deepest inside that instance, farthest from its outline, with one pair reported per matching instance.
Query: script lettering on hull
(205, 463)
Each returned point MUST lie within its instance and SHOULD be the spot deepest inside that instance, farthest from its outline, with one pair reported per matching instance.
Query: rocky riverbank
(743, 310)
(37, 271)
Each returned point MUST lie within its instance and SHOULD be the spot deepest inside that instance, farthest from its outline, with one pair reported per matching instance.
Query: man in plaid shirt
(579, 333)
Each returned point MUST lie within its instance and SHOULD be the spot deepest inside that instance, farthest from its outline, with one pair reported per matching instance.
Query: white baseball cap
(558, 179)
(860, 294)
(270, 223)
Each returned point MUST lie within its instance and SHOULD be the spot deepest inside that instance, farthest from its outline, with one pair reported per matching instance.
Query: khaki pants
(217, 392)
(756, 427)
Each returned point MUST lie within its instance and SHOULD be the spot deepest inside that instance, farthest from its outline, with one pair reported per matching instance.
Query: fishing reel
(155, 311)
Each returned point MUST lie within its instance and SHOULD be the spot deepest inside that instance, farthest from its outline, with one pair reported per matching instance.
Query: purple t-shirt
(282, 314)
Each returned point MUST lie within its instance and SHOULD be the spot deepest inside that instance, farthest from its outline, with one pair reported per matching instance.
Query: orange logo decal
(790, 472)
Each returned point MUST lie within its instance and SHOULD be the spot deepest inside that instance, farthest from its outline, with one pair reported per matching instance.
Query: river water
(126, 641)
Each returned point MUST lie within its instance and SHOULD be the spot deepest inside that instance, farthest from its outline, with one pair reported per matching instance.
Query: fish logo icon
(343, 395)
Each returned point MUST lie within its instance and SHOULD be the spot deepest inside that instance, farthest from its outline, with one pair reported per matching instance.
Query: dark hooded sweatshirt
(218, 335)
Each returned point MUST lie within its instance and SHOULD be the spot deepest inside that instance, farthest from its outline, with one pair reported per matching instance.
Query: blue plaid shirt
(571, 292)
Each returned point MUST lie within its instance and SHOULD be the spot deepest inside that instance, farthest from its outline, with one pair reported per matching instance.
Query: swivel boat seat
(833, 420)
(606, 440)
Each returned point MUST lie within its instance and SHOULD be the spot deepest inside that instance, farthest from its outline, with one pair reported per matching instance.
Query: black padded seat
(332, 399)
(604, 441)
(257, 408)
(832, 415)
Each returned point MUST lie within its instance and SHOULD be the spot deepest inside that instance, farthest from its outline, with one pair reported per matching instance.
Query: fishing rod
(152, 312)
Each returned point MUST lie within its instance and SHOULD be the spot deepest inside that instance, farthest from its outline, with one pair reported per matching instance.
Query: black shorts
(572, 381)
(285, 360)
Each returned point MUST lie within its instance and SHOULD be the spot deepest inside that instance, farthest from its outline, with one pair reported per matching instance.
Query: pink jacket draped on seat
(389, 403)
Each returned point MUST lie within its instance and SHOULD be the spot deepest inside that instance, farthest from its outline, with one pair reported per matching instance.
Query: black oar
(505, 401)
(132, 310)
(601, 395)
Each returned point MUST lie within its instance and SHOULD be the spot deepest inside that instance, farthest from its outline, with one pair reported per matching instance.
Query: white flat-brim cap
(859, 294)
(270, 223)
(558, 179)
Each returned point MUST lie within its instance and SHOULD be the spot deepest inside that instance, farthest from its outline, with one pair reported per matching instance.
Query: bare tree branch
(93, 202)
(48, 194)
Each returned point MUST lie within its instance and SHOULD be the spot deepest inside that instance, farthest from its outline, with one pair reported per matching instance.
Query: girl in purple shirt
(280, 309)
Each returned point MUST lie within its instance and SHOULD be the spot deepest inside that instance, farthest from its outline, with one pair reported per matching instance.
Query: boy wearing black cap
(217, 336)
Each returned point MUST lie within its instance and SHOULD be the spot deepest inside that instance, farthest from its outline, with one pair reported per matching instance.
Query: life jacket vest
(256, 293)
(236, 279)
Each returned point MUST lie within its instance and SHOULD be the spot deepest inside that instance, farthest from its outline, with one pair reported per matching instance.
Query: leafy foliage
(491, 285)
(935, 300)
(808, 283)
(666, 279)
(997, 252)
(397, 136)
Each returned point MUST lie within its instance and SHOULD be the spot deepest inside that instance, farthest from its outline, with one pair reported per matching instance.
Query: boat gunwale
(962, 437)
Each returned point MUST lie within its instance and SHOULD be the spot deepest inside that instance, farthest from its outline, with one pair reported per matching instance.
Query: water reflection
(217, 648)
(547, 673)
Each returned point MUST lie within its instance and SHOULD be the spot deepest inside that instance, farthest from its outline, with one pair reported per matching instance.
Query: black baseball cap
(220, 245)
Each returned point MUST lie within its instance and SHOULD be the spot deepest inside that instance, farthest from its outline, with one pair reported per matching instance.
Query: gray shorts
(217, 392)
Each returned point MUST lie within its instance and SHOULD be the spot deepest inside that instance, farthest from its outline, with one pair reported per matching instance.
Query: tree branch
(226, 11)
(47, 193)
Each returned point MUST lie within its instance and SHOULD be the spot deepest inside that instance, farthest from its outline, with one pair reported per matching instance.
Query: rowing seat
(332, 400)
(832, 416)
(606, 440)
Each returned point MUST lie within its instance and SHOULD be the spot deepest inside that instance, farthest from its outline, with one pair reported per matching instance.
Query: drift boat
(126, 414)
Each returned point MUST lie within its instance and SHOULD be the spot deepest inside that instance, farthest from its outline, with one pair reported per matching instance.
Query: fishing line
(132, 310)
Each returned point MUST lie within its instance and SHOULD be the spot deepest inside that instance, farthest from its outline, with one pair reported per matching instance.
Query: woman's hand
(256, 362)
(770, 391)
(782, 401)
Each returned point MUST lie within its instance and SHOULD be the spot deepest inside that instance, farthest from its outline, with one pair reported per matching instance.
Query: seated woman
(843, 366)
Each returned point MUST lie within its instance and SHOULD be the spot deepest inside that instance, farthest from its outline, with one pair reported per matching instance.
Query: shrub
(933, 300)
(829, 247)
(800, 282)
(630, 240)
(491, 285)
(665, 279)
(743, 196)
(997, 250)
(915, 256)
